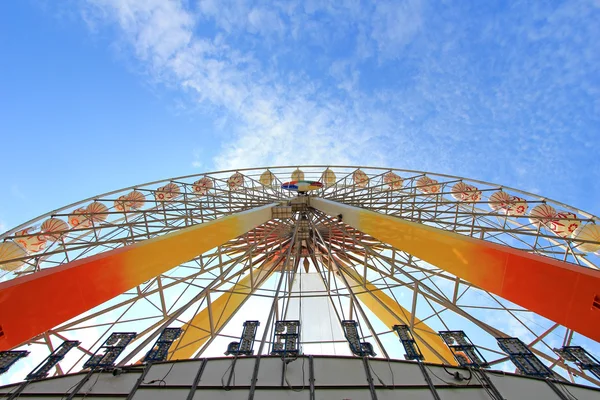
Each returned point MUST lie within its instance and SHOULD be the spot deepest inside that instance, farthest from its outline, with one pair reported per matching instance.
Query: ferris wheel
(339, 251)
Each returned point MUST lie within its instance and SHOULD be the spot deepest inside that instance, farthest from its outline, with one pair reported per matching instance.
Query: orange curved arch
(33, 304)
(562, 292)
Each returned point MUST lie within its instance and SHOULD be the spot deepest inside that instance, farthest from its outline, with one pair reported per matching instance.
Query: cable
(77, 383)
(223, 385)
(375, 373)
(288, 382)
(68, 390)
(391, 372)
(563, 387)
(455, 376)
(470, 374)
(485, 386)
(93, 384)
(167, 374)
(446, 382)
(448, 372)
(568, 391)
(233, 373)
(161, 382)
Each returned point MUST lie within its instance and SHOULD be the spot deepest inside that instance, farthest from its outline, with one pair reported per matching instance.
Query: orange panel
(33, 304)
(559, 291)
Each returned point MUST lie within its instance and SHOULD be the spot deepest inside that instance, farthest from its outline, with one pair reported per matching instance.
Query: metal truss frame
(335, 250)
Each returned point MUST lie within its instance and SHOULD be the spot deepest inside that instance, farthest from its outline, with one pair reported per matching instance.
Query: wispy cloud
(197, 163)
(394, 25)
(17, 193)
(411, 84)
(275, 119)
(234, 16)
(157, 29)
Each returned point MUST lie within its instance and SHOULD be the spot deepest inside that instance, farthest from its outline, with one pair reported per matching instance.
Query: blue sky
(100, 94)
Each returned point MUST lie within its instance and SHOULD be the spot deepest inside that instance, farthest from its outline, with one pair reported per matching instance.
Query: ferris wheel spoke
(111, 264)
(380, 257)
(461, 262)
(376, 280)
(226, 277)
(385, 308)
(443, 301)
(144, 291)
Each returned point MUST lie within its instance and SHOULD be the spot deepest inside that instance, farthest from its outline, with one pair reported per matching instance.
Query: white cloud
(16, 192)
(158, 29)
(518, 330)
(242, 16)
(405, 83)
(197, 163)
(346, 74)
(275, 119)
(395, 24)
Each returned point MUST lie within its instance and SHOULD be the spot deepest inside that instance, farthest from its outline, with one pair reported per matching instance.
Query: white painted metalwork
(304, 248)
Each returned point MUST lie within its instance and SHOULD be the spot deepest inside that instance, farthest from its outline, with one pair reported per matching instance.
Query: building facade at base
(306, 377)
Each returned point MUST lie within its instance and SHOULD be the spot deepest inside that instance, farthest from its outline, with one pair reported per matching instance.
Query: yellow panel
(426, 337)
(197, 330)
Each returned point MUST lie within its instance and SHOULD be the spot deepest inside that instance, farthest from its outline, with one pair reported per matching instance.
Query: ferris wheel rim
(540, 198)
(347, 172)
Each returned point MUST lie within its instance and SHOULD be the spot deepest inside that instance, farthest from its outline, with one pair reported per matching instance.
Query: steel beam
(38, 302)
(560, 291)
